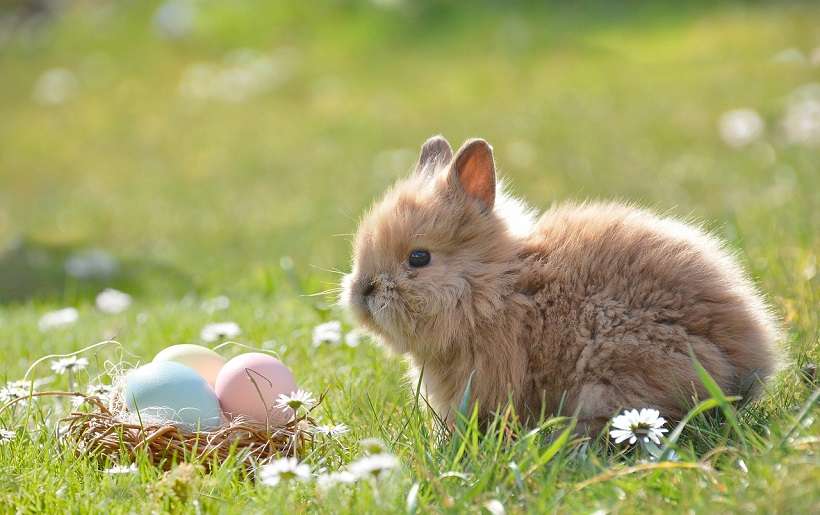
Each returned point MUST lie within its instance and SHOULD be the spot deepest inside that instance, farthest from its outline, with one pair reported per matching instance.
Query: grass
(248, 199)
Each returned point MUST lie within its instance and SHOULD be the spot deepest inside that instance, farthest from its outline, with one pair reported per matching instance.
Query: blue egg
(173, 393)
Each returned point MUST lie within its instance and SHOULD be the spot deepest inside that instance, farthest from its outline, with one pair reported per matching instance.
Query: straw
(107, 434)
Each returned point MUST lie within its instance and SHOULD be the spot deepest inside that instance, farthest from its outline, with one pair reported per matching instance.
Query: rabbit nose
(369, 288)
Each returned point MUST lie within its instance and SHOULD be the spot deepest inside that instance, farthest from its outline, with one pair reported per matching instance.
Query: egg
(202, 359)
(249, 384)
(172, 392)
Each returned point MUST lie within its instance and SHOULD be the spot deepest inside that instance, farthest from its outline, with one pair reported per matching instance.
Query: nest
(106, 432)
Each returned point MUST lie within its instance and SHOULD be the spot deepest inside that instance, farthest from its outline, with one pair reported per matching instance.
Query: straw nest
(108, 431)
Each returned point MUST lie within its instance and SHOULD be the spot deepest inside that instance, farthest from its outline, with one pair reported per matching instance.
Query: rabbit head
(433, 260)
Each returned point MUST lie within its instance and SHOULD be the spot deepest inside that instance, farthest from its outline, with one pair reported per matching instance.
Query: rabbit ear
(435, 153)
(473, 171)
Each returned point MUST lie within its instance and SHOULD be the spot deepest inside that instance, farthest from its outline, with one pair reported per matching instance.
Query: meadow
(225, 150)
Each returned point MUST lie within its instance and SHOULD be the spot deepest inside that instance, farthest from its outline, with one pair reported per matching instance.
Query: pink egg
(249, 384)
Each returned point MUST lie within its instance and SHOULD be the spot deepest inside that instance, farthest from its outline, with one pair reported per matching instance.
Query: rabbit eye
(419, 258)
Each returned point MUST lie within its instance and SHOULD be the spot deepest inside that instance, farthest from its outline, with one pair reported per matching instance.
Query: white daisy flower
(112, 301)
(633, 425)
(175, 19)
(343, 477)
(102, 391)
(741, 127)
(373, 446)
(55, 86)
(6, 436)
(13, 391)
(220, 331)
(353, 338)
(295, 400)
(37, 383)
(216, 304)
(284, 469)
(802, 120)
(122, 469)
(495, 507)
(58, 318)
(286, 262)
(20, 389)
(375, 465)
(329, 332)
(99, 390)
(331, 431)
(69, 364)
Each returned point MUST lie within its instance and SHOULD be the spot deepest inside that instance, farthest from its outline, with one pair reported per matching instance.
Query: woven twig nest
(107, 432)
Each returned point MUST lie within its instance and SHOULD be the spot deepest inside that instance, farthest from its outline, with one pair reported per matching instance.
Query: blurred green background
(200, 145)
(211, 159)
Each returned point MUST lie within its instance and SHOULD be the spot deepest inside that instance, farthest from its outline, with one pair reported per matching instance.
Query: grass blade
(465, 398)
(723, 402)
(553, 449)
(412, 502)
(800, 416)
(702, 406)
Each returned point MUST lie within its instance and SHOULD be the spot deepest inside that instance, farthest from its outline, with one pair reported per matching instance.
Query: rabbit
(590, 309)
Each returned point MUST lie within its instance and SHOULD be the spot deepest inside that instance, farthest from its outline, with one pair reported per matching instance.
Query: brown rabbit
(594, 307)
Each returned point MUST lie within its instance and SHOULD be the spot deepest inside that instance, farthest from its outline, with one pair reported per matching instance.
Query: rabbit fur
(591, 308)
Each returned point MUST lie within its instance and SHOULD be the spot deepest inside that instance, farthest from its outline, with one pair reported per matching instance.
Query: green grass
(198, 198)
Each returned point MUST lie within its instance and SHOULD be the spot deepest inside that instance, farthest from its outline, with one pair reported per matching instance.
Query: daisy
(332, 431)
(295, 400)
(216, 304)
(373, 446)
(354, 337)
(741, 127)
(342, 477)
(175, 19)
(122, 469)
(220, 331)
(55, 86)
(6, 436)
(59, 318)
(101, 391)
(375, 465)
(329, 332)
(801, 122)
(112, 301)
(633, 425)
(284, 469)
(494, 506)
(26, 383)
(13, 391)
(69, 364)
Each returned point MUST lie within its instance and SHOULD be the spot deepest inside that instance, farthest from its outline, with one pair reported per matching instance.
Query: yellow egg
(202, 359)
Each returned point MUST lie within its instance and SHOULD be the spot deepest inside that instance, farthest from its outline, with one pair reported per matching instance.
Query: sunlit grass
(256, 200)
